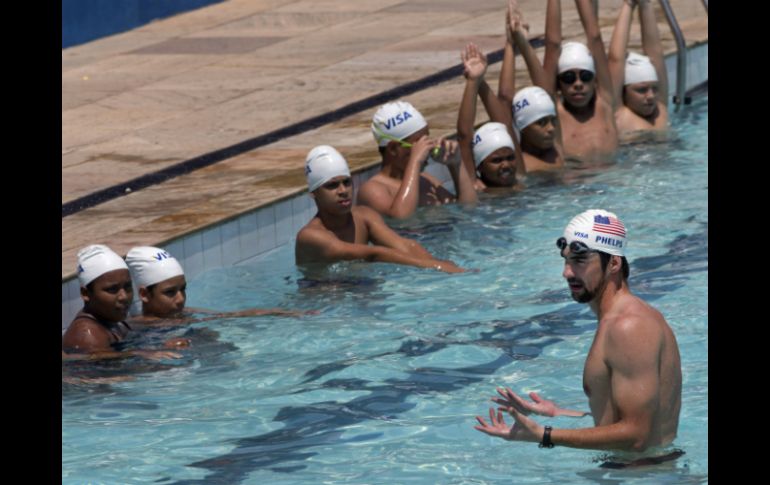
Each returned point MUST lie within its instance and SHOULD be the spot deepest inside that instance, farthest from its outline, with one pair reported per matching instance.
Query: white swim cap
(322, 164)
(575, 55)
(95, 260)
(639, 69)
(151, 265)
(490, 137)
(398, 119)
(599, 230)
(530, 104)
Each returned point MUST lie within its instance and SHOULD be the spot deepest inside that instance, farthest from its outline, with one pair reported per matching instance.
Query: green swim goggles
(405, 144)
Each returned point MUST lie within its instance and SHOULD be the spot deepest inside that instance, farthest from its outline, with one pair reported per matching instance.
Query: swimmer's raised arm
(506, 85)
(498, 106)
(652, 46)
(596, 48)
(552, 45)
(475, 67)
(519, 35)
(498, 109)
(616, 57)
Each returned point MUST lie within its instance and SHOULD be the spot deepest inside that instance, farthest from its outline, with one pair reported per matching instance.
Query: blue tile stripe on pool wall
(266, 228)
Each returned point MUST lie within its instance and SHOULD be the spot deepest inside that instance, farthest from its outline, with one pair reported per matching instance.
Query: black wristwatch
(546, 443)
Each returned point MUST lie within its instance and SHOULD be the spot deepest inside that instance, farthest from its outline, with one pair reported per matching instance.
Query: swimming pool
(383, 385)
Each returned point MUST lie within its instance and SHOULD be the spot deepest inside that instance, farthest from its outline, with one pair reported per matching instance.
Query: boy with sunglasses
(341, 231)
(402, 133)
(632, 375)
(586, 108)
(641, 82)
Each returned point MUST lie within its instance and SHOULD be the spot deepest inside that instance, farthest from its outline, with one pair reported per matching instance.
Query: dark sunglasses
(333, 185)
(508, 158)
(575, 247)
(569, 77)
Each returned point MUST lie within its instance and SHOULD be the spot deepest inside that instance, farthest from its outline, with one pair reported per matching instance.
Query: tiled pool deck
(173, 90)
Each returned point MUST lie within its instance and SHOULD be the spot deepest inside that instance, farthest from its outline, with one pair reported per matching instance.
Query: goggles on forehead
(405, 144)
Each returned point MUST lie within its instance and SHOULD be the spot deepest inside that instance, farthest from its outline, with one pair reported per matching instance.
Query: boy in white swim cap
(495, 155)
(162, 288)
(107, 292)
(640, 81)
(341, 231)
(533, 108)
(399, 188)
(534, 117)
(587, 103)
(531, 112)
(489, 154)
(632, 374)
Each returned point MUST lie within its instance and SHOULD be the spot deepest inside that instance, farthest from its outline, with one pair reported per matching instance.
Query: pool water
(383, 385)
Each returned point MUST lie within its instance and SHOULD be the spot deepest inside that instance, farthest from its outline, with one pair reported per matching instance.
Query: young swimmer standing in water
(399, 188)
(640, 81)
(586, 108)
(340, 231)
(497, 160)
(162, 289)
(107, 292)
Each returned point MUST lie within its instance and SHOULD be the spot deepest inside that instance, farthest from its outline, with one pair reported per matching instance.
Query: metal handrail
(681, 56)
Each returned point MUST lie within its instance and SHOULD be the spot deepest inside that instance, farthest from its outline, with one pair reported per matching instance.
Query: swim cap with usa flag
(598, 229)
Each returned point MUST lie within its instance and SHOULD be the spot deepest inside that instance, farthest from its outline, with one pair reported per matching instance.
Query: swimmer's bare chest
(628, 122)
(588, 138)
